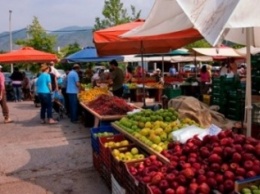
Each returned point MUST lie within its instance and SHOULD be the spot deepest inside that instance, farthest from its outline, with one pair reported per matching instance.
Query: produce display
(103, 134)
(112, 144)
(128, 156)
(86, 96)
(154, 127)
(110, 105)
(202, 166)
(147, 85)
(253, 189)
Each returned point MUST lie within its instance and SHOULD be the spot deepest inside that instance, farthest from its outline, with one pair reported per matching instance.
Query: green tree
(114, 13)
(38, 38)
(198, 44)
(70, 49)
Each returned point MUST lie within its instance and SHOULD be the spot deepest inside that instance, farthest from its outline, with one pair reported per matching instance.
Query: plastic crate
(118, 167)
(239, 185)
(132, 185)
(106, 175)
(95, 140)
(96, 161)
(105, 152)
(256, 131)
(172, 93)
(116, 188)
(256, 113)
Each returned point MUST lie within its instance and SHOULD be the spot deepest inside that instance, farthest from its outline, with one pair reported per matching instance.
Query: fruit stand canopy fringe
(27, 54)
(109, 42)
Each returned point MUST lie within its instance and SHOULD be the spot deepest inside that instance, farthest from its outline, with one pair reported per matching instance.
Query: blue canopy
(89, 54)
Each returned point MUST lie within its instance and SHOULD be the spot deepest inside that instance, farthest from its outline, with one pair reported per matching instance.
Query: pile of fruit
(127, 156)
(112, 144)
(103, 134)
(88, 95)
(202, 166)
(110, 105)
(253, 189)
(154, 127)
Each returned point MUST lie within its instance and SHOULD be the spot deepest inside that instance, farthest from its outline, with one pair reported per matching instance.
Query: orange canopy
(109, 42)
(27, 54)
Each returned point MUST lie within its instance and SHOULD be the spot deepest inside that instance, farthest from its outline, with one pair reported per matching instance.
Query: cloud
(55, 14)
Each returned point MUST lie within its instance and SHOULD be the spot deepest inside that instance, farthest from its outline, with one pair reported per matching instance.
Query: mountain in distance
(65, 36)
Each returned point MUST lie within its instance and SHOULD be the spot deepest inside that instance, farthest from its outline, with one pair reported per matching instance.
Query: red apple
(214, 158)
(201, 179)
(147, 179)
(229, 175)
(257, 149)
(210, 174)
(169, 191)
(239, 139)
(147, 162)
(201, 171)
(180, 190)
(193, 186)
(236, 157)
(163, 184)
(192, 159)
(238, 148)
(215, 167)
(204, 152)
(188, 173)
(219, 178)
(196, 165)
(204, 188)
(240, 171)
(248, 164)
(229, 185)
(252, 141)
(170, 177)
(153, 157)
(181, 179)
(193, 155)
(233, 166)
(217, 150)
(212, 182)
(256, 169)
(250, 174)
(239, 178)
(249, 148)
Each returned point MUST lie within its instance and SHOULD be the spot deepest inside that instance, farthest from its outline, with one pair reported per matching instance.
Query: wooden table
(99, 117)
(141, 144)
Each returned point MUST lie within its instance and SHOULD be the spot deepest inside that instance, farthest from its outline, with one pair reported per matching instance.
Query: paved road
(44, 159)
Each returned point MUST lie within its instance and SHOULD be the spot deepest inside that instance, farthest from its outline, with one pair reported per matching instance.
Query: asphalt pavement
(40, 158)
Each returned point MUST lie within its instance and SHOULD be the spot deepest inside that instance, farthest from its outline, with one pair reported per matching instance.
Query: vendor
(128, 75)
(116, 79)
(158, 76)
(204, 80)
(172, 70)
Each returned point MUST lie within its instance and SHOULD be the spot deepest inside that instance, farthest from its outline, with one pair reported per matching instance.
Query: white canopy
(218, 52)
(177, 59)
(253, 50)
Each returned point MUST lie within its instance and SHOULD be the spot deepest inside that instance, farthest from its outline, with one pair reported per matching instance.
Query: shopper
(73, 87)
(3, 103)
(44, 91)
(117, 79)
(204, 80)
(26, 87)
(172, 70)
(17, 78)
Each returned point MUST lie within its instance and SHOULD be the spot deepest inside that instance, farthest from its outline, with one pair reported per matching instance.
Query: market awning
(27, 54)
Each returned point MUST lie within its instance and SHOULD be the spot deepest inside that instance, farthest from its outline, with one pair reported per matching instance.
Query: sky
(56, 14)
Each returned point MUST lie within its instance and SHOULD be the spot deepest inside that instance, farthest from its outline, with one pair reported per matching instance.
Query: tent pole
(248, 107)
(143, 75)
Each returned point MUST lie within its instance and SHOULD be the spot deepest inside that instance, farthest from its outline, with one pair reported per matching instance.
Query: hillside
(65, 36)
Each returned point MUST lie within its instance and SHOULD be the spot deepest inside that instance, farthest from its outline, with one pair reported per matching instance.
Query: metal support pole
(10, 36)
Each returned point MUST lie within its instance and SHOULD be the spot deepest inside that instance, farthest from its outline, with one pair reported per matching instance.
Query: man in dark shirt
(117, 77)
(17, 78)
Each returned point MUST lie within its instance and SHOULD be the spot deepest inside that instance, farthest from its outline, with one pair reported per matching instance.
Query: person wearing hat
(44, 91)
(73, 87)
(3, 103)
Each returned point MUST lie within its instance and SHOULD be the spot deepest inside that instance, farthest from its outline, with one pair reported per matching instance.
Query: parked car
(62, 73)
(189, 67)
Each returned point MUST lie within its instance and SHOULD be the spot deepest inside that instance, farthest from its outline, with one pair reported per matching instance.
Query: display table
(99, 117)
(141, 144)
(137, 94)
